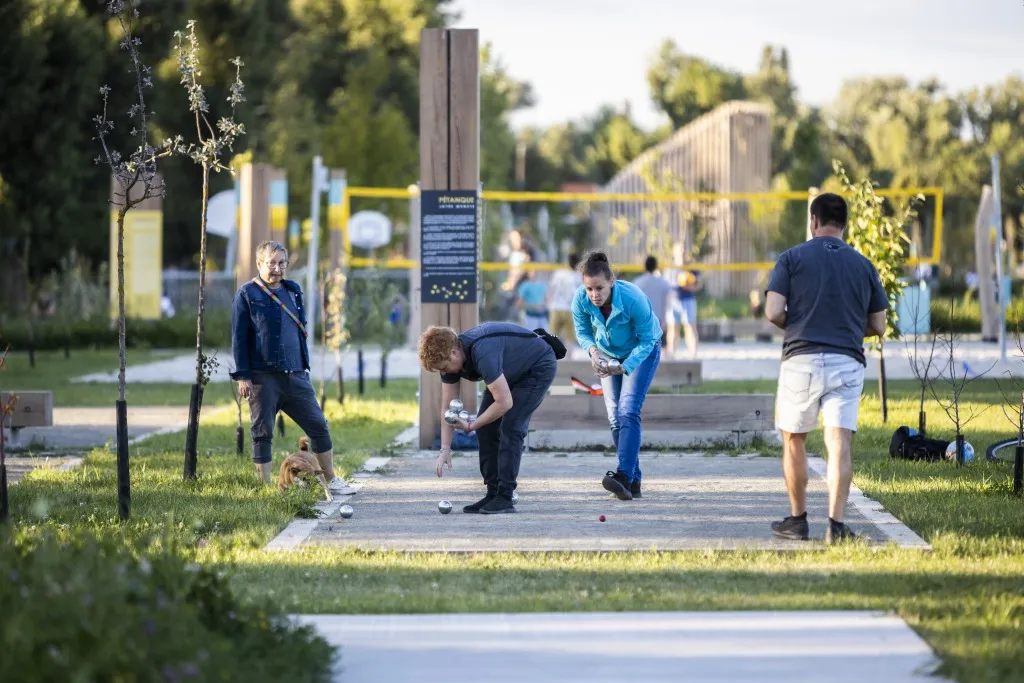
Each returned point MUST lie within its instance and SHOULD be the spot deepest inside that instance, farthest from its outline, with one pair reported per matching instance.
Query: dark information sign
(448, 246)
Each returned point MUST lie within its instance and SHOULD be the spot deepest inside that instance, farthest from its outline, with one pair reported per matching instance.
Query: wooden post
(254, 218)
(278, 180)
(449, 160)
(335, 215)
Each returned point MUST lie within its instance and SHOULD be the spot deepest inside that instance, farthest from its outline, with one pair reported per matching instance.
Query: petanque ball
(456, 405)
(444, 507)
(346, 511)
(601, 518)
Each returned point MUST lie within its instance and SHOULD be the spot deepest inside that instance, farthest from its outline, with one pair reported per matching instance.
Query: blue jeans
(624, 399)
(293, 394)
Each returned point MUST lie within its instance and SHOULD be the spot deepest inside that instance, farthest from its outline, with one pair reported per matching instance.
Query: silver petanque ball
(346, 511)
(444, 507)
(451, 417)
(464, 415)
(455, 405)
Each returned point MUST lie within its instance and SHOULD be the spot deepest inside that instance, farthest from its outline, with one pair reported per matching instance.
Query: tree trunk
(383, 370)
(882, 388)
(341, 381)
(196, 400)
(124, 482)
(4, 507)
(359, 355)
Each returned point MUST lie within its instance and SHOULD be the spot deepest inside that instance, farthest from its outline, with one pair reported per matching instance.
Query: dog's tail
(303, 443)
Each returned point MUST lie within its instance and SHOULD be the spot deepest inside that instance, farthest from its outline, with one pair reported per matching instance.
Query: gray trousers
(291, 393)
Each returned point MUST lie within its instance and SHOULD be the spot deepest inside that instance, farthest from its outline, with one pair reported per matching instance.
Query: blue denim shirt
(256, 330)
(631, 332)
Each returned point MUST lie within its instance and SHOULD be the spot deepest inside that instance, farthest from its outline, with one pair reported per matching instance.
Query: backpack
(907, 444)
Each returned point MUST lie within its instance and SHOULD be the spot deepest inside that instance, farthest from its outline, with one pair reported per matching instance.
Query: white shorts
(683, 312)
(827, 382)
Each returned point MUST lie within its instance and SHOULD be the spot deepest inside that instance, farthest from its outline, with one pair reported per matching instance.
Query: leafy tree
(136, 180)
(876, 230)
(211, 142)
(686, 87)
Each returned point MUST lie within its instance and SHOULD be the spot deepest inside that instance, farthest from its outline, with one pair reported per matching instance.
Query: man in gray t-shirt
(656, 288)
(518, 367)
(827, 297)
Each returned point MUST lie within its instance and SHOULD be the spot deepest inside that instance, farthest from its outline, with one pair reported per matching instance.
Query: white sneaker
(515, 497)
(337, 485)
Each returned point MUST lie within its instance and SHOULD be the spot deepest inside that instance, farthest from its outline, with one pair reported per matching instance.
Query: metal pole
(997, 229)
(319, 185)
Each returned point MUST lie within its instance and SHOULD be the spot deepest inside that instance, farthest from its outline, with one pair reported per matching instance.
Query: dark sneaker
(498, 505)
(475, 507)
(837, 532)
(618, 484)
(634, 489)
(792, 528)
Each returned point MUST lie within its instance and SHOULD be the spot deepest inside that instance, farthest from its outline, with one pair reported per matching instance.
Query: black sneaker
(792, 528)
(618, 484)
(837, 532)
(475, 507)
(498, 505)
(634, 489)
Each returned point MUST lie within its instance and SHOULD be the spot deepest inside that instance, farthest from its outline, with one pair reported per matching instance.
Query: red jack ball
(601, 518)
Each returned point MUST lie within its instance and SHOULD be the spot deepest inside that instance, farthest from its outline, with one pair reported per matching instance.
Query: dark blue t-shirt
(830, 290)
(497, 349)
(291, 335)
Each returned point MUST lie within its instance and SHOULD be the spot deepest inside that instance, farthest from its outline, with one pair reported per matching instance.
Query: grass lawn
(966, 597)
(54, 372)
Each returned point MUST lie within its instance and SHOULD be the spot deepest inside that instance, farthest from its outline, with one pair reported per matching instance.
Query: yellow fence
(594, 198)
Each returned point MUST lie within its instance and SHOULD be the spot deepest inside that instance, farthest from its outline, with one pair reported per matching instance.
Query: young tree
(136, 180)
(211, 142)
(878, 235)
(957, 378)
(335, 326)
(923, 362)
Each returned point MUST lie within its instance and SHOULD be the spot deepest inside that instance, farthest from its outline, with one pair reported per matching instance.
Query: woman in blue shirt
(614, 319)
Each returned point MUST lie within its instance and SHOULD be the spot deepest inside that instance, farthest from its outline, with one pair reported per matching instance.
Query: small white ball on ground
(444, 507)
(346, 511)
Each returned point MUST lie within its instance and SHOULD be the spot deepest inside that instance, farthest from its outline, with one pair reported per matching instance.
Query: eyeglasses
(276, 264)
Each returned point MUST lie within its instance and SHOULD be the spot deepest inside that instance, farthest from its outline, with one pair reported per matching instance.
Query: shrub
(84, 608)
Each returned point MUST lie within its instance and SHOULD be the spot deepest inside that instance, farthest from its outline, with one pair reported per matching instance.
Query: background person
(827, 297)
(532, 295)
(518, 367)
(561, 291)
(657, 289)
(614, 319)
(268, 343)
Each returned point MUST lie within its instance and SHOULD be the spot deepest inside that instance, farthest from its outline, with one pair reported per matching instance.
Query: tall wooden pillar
(254, 218)
(336, 218)
(449, 160)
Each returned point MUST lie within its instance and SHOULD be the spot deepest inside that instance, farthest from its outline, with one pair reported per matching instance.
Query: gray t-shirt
(497, 349)
(830, 289)
(657, 290)
(291, 341)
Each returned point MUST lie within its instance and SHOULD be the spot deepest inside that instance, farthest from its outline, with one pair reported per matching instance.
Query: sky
(580, 54)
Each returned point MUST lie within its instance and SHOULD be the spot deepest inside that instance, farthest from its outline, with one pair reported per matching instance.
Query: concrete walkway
(86, 428)
(742, 360)
(653, 647)
(690, 501)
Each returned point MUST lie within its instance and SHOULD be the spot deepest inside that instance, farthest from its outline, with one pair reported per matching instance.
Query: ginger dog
(299, 467)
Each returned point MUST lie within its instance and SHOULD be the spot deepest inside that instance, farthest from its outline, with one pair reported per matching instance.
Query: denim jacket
(256, 330)
(631, 332)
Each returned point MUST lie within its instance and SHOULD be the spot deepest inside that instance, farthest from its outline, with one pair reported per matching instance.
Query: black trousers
(292, 394)
(501, 442)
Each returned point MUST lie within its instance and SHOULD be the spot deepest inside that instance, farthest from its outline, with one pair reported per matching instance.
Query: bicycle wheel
(1006, 447)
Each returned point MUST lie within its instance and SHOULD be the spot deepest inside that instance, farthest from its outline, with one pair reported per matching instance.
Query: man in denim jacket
(268, 342)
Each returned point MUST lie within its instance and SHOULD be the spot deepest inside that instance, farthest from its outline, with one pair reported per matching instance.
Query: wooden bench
(676, 420)
(670, 373)
(32, 409)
